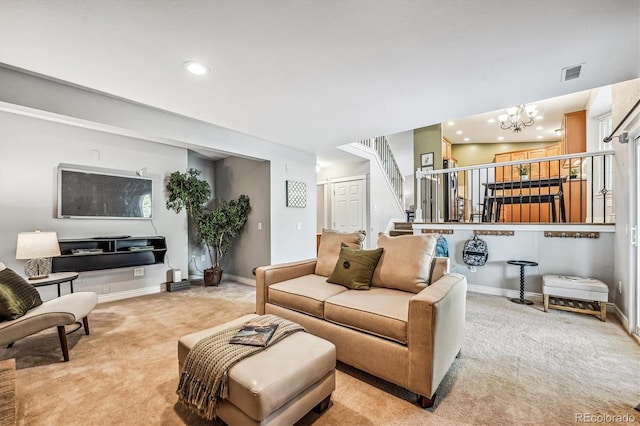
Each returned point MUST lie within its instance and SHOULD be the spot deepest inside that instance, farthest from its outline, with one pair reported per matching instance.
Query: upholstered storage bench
(278, 385)
(575, 294)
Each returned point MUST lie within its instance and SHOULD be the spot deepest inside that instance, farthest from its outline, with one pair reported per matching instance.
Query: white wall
(564, 256)
(54, 101)
(30, 151)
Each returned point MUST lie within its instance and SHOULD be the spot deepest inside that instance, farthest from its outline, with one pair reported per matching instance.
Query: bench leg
(85, 322)
(603, 311)
(546, 302)
(62, 334)
(323, 405)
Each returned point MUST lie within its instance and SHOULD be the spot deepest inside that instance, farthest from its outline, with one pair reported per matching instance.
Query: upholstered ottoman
(575, 294)
(278, 385)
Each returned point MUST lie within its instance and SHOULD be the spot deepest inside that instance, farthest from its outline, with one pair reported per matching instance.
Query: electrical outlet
(620, 287)
(138, 272)
(193, 258)
(203, 258)
(472, 268)
(259, 226)
(299, 226)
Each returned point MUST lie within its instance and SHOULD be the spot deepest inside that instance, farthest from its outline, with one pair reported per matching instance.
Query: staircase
(401, 228)
(381, 147)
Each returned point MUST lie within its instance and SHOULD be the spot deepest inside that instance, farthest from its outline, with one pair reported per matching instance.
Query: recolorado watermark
(605, 418)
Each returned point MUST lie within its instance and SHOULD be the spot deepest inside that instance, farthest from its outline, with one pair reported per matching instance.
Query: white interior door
(348, 211)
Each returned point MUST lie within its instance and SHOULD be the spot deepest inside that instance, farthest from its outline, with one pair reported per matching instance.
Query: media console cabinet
(91, 254)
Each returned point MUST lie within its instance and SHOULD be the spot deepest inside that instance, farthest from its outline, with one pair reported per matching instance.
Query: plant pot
(573, 176)
(524, 177)
(212, 276)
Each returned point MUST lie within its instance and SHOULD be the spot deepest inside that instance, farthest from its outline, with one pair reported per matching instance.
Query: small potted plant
(523, 171)
(573, 173)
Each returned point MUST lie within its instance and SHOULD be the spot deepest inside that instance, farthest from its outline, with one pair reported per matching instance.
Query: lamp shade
(32, 245)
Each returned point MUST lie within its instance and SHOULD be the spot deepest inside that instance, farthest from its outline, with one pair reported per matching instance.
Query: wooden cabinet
(538, 170)
(575, 200)
(91, 254)
(575, 205)
(446, 149)
(574, 132)
(503, 173)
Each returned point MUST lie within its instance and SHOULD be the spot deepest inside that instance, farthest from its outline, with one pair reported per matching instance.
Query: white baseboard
(611, 307)
(240, 280)
(505, 292)
(119, 295)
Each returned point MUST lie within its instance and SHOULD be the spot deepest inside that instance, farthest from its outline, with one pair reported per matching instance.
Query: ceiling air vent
(571, 73)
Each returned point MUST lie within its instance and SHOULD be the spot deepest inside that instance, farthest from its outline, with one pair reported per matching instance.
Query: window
(606, 169)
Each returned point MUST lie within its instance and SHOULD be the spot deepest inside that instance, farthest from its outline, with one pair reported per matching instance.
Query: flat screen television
(91, 194)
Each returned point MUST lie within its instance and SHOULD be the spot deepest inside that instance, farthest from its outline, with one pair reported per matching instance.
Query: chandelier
(517, 118)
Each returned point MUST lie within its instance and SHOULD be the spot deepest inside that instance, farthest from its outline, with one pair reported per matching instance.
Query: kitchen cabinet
(575, 205)
(446, 149)
(537, 170)
(574, 132)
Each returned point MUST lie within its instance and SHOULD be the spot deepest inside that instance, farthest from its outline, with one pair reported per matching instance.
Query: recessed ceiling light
(539, 137)
(491, 120)
(466, 139)
(500, 138)
(458, 132)
(451, 123)
(539, 128)
(539, 117)
(195, 68)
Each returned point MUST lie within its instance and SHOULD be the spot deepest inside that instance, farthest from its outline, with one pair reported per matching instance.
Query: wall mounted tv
(85, 193)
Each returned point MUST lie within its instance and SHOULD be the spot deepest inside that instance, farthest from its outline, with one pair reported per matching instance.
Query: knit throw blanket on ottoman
(204, 378)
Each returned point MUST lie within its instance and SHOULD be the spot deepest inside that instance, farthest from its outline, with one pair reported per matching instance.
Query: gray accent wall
(235, 176)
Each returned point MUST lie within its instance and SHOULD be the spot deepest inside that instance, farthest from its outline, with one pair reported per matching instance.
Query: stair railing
(382, 148)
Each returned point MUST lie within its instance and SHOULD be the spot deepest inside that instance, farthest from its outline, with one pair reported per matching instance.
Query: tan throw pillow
(405, 263)
(329, 248)
(354, 267)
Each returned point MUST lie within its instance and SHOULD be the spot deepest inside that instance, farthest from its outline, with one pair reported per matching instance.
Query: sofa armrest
(440, 266)
(268, 275)
(435, 332)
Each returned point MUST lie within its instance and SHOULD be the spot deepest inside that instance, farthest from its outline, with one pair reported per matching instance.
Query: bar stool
(522, 264)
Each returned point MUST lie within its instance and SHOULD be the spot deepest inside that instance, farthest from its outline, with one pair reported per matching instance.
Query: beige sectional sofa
(407, 328)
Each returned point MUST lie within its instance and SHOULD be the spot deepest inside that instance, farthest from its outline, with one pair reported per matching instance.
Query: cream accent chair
(407, 334)
(65, 310)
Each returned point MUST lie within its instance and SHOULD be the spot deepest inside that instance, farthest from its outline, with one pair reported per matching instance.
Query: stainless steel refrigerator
(450, 193)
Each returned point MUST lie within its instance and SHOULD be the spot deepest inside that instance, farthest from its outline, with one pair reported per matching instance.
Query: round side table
(522, 264)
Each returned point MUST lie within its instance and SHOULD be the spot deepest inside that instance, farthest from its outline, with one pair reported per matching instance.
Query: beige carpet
(519, 366)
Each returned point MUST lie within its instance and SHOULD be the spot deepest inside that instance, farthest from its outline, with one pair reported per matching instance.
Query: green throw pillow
(354, 268)
(17, 296)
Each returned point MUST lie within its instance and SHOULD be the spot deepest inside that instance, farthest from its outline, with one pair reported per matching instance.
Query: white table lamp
(38, 247)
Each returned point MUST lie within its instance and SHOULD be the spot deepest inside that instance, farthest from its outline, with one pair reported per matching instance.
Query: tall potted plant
(220, 226)
(215, 228)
